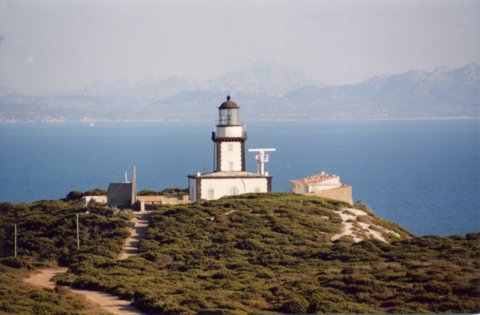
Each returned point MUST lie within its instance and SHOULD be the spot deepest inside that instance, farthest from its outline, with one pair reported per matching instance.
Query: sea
(421, 174)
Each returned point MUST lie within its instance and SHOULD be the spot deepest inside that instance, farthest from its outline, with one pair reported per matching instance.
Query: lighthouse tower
(229, 176)
(229, 139)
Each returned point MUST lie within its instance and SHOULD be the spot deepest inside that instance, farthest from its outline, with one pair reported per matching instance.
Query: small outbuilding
(123, 195)
(323, 185)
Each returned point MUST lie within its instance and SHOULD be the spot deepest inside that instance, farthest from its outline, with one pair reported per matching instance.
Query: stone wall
(343, 193)
(96, 199)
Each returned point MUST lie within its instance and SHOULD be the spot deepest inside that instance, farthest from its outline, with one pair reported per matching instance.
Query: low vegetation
(255, 253)
(77, 195)
(273, 253)
(46, 237)
(47, 230)
(167, 192)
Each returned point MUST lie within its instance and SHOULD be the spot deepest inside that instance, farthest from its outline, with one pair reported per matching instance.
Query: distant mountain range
(263, 91)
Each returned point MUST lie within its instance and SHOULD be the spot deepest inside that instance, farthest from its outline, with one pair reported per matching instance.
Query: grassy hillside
(46, 237)
(274, 252)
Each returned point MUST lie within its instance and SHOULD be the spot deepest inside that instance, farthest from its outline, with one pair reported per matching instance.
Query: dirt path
(130, 246)
(108, 302)
(42, 279)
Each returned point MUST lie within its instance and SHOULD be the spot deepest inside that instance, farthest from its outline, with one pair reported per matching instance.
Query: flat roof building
(323, 185)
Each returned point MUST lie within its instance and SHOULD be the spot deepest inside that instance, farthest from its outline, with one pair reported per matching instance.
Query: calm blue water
(423, 175)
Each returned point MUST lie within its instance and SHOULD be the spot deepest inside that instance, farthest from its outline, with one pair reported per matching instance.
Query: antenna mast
(134, 185)
(262, 158)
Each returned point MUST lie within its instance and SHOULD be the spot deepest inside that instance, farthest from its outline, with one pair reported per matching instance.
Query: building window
(211, 194)
(230, 166)
(234, 191)
(230, 147)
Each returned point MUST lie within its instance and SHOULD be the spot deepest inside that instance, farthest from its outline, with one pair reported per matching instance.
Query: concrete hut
(123, 195)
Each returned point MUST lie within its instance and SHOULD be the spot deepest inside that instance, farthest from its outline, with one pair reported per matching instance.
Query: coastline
(250, 120)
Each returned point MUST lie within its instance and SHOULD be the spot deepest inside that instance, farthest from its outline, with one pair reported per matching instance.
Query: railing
(214, 135)
(224, 122)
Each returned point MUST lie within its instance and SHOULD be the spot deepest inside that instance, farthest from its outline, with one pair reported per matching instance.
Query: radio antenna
(262, 158)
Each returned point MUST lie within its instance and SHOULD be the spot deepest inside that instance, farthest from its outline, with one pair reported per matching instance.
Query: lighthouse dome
(228, 104)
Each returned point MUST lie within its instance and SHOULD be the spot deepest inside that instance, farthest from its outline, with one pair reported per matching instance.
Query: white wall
(326, 184)
(231, 152)
(229, 132)
(98, 199)
(225, 186)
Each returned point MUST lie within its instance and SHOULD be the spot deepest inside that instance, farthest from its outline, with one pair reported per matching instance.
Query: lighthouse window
(230, 147)
(229, 117)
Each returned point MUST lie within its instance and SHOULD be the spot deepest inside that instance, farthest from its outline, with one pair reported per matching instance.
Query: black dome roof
(228, 104)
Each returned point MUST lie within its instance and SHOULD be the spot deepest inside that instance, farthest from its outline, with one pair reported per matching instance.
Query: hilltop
(276, 252)
(282, 252)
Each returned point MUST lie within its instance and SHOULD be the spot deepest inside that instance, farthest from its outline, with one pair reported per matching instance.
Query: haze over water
(423, 175)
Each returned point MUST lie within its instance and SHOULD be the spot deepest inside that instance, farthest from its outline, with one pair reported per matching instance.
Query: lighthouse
(229, 176)
(229, 139)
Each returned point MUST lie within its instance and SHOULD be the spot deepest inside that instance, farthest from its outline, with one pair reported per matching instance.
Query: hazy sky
(55, 45)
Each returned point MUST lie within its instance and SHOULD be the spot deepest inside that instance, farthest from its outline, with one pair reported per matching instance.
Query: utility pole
(15, 240)
(78, 234)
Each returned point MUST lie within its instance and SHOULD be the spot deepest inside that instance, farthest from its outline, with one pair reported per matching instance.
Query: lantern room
(229, 114)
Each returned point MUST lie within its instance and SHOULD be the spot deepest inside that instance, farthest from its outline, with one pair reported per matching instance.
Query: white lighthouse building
(229, 176)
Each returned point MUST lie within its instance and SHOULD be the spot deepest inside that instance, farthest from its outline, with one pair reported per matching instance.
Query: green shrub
(296, 304)
(16, 263)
